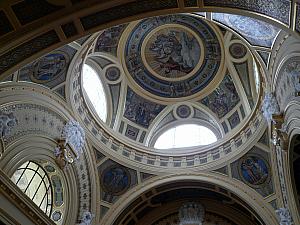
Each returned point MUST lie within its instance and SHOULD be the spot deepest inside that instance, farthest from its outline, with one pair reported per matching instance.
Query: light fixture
(191, 213)
(70, 145)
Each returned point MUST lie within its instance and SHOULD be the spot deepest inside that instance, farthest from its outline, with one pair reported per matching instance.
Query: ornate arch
(254, 201)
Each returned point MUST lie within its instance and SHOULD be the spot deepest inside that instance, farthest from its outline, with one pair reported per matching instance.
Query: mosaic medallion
(49, 67)
(115, 180)
(254, 170)
(56, 216)
(237, 50)
(112, 73)
(183, 111)
(50, 169)
(172, 56)
(172, 52)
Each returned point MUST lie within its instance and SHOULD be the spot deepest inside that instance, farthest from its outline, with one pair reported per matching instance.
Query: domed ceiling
(160, 73)
(165, 71)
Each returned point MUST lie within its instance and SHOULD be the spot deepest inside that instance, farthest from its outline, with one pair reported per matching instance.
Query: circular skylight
(187, 135)
(93, 87)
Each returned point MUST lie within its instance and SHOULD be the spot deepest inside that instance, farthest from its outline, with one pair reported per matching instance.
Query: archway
(162, 197)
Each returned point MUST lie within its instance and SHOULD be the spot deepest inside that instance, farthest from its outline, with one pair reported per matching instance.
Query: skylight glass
(186, 135)
(95, 91)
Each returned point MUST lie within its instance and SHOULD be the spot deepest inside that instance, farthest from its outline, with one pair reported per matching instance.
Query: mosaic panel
(277, 9)
(223, 99)
(234, 120)
(254, 170)
(131, 132)
(126, 10)
(108, 41)
(172, 41)
(115, 180)
(50, 70)
(5, 25)
(140, 110)
(28, 11)
(27, 49)
(253, 30)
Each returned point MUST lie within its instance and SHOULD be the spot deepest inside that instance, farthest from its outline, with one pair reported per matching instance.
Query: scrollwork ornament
(70, 146)
(74, 135)
(284, 216)
(270, 106)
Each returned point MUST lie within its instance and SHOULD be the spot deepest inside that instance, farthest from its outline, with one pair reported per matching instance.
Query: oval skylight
(93, 87)
(187, 135)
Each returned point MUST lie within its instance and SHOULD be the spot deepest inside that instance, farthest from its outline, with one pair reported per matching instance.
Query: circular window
(93, 87)
(187, 135)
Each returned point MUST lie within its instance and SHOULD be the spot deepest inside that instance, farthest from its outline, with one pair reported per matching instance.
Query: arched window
(186, 135)
(33, 180)
(93, 87)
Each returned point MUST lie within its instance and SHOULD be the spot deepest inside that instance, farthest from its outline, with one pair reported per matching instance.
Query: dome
(132, 112)
(161, 73)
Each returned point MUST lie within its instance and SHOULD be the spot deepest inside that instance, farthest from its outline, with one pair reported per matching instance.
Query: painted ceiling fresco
(173, 56)
(255, 31)
(108, 41)
(140, 110)
(223, 99)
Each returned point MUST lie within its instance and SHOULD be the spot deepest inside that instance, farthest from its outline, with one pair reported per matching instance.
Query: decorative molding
(21, 201)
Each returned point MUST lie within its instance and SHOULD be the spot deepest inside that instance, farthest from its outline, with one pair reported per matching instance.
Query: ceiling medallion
(172, 52)
(172, 56)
